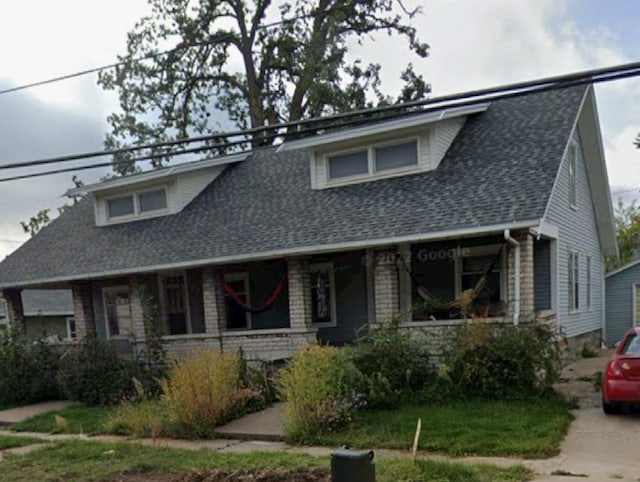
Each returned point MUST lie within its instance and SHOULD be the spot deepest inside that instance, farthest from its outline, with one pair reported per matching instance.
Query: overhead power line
(493, 93)
(179, 47)
(344, 119)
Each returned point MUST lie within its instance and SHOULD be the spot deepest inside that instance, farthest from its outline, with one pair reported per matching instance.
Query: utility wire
(150, 56)
(566, 80)
(465, 99)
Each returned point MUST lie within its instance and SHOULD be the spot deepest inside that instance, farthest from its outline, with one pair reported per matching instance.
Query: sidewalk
(19, 414)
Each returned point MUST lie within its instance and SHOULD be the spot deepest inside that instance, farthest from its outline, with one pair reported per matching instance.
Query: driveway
(602, 447)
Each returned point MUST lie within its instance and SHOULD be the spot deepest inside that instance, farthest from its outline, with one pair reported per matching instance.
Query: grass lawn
(86, 461)
(9, 441)
(80, 419)
(527, 428)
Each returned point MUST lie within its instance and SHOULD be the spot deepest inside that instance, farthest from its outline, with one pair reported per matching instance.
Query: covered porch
(271, 308)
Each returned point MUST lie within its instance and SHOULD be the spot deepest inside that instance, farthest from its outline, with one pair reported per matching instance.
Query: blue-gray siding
(619, 308)
(542, 274)
(577, 231)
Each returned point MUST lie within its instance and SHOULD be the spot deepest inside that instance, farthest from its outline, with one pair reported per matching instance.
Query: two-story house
(319, 238)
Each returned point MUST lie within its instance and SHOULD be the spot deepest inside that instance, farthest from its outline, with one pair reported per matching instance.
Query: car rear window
(631, 345)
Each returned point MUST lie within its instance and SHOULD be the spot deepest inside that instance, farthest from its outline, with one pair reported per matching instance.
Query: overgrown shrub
(140, 418)
(27, 371)
(204, 391)
(94, 374)
(394, 365)
(322, 388)
(502, 361)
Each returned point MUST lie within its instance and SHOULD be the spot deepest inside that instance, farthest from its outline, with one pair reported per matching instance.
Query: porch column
(525, 240)
(15, 311)
(137, 295)
(83, 311)
(386, 285)
(526, 276)
(300, 315)
(215, 313)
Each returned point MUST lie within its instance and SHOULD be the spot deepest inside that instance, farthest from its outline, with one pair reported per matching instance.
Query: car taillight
(614, 370)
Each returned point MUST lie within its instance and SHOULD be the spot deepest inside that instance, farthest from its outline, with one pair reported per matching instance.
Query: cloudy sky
(474, 44)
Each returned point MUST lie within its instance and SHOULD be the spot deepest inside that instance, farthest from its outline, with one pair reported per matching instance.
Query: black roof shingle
(500, 169)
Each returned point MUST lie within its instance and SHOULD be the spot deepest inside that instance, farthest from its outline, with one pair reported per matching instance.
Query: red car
(621, 379)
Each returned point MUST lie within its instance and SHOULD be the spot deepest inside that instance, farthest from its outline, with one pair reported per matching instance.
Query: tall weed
(204, 391)
(322, 388)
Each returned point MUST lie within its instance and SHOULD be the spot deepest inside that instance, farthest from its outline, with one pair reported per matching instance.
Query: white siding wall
(577, 230)
(442, 135)
(190, 184)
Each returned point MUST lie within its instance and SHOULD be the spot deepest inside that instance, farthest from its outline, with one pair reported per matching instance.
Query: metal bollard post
(352, 466)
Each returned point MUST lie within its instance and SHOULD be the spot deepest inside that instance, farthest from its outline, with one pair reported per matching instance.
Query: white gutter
(516, 275)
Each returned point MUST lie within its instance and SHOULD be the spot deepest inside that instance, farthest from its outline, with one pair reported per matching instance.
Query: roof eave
(303, 250)
(380, 127)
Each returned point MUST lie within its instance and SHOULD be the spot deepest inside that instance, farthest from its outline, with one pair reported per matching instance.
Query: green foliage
(204, 391)
(393, 364)
(321, 386)
(80, 419)
(588, 351)
(531, 427)
(140, 419)
(292, 71)
(89, 460)
(496, 361)
(627, 222)
(94, 374)
(28, 371)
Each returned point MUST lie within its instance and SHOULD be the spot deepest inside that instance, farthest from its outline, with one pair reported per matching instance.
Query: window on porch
(323, 295)
(441, 274)
(175, 303)
(117, 310)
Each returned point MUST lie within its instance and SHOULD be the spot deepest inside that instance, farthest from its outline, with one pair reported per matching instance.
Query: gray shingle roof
(45, 302)
(500, 169)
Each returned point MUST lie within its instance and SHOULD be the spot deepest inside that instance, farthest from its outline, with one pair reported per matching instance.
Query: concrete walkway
(266, 425)
(19, 414)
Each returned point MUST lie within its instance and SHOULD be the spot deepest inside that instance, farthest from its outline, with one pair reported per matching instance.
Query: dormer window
(376, 159)
(137, 204)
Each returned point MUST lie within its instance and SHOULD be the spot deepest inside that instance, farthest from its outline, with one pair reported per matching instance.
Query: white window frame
(572, 155)
(71, 334)
(589, 274)
(163, 301)
(244, 277)
(487, 250)
(372, 173)
(137, 214)
(114, 289)
(573, 285)
(329, 269)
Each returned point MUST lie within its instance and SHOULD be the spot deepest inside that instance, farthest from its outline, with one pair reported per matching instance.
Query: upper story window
(573, 161)
(373, 160)
(138, 203)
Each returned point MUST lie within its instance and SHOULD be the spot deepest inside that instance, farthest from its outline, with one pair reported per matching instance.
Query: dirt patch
(316, 474)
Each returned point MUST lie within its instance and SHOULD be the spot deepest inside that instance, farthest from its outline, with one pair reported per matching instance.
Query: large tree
(257, 62)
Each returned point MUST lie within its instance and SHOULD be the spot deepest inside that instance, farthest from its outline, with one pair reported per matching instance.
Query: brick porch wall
(15, 310)
(386, 285)
(83, 310)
